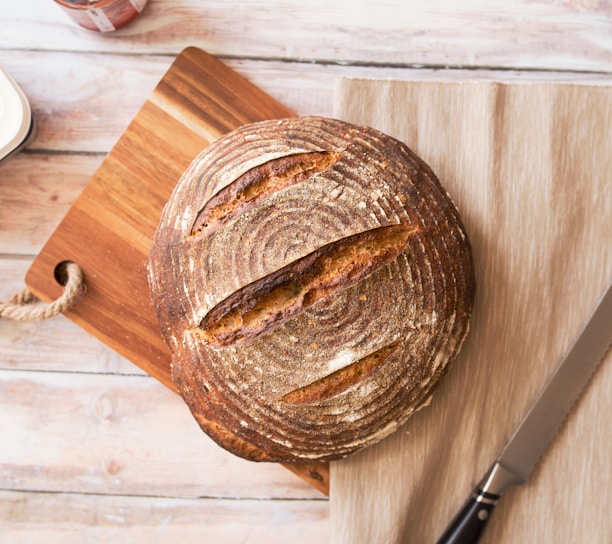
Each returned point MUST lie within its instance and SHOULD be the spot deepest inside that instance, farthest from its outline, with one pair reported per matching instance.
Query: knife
(520, 455)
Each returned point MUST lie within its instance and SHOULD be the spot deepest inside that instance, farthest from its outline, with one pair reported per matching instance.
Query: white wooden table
(91, 448)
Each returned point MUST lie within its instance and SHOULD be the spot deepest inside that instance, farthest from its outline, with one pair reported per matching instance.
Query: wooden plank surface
(37, 190)
(82, 114)
(529, 167)
(85, 88)
(63, 518)
(79, 452)
(513, 34)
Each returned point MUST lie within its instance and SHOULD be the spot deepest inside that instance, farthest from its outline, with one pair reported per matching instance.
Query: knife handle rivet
(483, 514)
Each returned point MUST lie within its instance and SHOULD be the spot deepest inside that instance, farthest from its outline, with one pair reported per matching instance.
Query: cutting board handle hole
(61, 273)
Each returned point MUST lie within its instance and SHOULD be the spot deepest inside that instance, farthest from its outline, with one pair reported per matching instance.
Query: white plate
(15, 116)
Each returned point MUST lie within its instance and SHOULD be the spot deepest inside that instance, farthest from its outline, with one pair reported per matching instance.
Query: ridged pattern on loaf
(265, 304)
(268, 372)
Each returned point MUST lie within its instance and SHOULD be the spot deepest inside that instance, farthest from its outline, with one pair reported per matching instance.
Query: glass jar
(103, 15)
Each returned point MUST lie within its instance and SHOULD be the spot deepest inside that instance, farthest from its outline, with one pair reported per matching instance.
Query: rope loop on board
(24, 306)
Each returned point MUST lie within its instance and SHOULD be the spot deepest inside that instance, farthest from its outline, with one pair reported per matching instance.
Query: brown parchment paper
(530, 167)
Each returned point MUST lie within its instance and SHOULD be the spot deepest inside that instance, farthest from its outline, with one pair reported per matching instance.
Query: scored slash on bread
(341, 379)
(256, 184)
(267, 303)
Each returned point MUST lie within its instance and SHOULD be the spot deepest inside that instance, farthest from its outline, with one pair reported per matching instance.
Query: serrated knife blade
(521, 453)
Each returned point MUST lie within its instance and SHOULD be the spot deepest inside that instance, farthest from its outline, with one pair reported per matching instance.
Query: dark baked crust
(292, 338)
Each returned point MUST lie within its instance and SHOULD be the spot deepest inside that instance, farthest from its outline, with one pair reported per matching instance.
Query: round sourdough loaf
(313, 280)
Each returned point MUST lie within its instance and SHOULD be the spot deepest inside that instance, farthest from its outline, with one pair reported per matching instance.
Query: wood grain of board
(55, 345)
(109, 229)
(529, 166)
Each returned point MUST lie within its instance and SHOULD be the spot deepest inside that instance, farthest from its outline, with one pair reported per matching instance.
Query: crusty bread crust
(313, 281)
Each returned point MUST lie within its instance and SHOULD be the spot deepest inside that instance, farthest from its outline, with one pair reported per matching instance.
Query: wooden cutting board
(109, 229)
(530, 168)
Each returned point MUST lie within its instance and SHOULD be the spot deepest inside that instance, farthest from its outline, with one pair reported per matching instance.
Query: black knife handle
(469, 524)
